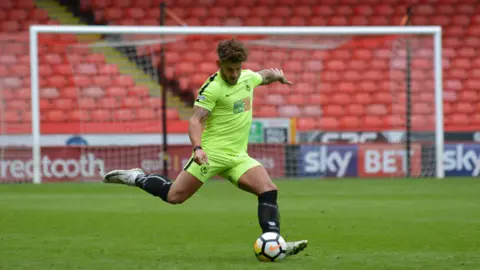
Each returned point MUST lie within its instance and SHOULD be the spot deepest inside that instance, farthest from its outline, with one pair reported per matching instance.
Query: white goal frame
(435, 31)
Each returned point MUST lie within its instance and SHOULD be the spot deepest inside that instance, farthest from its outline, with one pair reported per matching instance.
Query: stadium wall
(74, 163)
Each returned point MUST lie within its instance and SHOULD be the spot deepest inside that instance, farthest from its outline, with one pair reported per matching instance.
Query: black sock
(268, 215)
(155, 184)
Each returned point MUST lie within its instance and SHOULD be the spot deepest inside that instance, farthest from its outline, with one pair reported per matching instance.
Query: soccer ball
(270, 247)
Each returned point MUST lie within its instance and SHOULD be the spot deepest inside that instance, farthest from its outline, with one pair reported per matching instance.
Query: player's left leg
(249, 175)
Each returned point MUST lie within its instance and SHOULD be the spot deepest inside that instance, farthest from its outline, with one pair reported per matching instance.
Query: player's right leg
(185, 185)
(176, 192)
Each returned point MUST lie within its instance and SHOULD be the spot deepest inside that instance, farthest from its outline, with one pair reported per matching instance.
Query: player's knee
(266, 187)
(177, 197)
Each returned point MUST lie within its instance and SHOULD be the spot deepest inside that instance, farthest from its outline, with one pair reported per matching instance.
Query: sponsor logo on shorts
(204, 169)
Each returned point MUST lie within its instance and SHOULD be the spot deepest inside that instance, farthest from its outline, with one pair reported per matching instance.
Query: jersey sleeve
(256, 78)
(207, 96)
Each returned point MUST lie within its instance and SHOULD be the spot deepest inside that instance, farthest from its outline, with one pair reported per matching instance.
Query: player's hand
(280, 76)
(200, 157)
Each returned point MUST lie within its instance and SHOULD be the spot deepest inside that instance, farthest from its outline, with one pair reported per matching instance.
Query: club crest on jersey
(242, 105)
(248, 88)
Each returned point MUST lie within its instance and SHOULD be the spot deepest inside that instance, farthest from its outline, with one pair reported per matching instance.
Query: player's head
(231, 54)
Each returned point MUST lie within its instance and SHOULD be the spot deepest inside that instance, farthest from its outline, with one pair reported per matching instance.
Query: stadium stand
(360, 97)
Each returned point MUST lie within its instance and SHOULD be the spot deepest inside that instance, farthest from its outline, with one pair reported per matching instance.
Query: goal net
(346, 115)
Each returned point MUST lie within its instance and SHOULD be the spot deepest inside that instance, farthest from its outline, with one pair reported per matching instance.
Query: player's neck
(223, 78)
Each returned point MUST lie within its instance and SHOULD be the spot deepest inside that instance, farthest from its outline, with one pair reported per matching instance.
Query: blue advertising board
(327, 161)
(462, 159)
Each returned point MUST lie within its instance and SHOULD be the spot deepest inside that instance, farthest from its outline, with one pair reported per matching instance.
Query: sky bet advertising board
(364, 160)
(461, 159)
(327, 161)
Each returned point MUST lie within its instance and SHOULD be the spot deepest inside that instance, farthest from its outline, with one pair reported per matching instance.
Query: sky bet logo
(462, 160)
(333, 161)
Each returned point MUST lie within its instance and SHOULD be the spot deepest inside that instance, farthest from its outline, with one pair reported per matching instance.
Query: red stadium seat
(7, 94)
(355, 110)
(334, 110)
(266, 111)
(242, 11)
(56, 116)
(64, 104)
(12, 82)
(317, 99)
(132, 102)
(18, 14)
(373, 121)
(116, 91)
(124, 81)
(139, 90)
(275, 99)
(93, 91)
(101, 115)
(172, 114)
(146, 114)
(153, 102)
(10, 27)
(45, 104)
(323, 10)
(123, 115)
(394, 121)
(11, 116)
(79, 115)
(102, 81)
(261, 11)
(86, 103)
(328, 123)
(362, 98)
(312, 110)
(69, 92)
(297, 99)
(109, 102)
(302, 11)
(460, 119)
(464, 107)
(289, 111)
(18, 104)
(306, 124)
(350, 122)
(39, 15)
(377, 110)
(23, 93)
(112, 14)
(219, 12)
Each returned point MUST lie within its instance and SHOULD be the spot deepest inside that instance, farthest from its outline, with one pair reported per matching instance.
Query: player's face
(230, 71)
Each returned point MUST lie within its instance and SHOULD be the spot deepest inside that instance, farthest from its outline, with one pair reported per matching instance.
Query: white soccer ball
(270, 247)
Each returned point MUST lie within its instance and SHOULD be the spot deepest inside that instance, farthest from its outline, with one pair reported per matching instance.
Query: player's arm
(273, 75)
(195, 128)
(196, 123)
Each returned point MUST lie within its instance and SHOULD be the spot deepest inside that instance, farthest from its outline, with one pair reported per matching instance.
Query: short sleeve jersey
(228, 125)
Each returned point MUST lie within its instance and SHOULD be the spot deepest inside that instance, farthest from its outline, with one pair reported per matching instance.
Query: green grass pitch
(350, 224)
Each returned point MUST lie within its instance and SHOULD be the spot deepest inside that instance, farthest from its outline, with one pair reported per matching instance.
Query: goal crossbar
(247, 30)
(435, 31)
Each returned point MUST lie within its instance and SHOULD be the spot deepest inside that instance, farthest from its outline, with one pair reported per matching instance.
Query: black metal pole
(161, 72)
(408, 111)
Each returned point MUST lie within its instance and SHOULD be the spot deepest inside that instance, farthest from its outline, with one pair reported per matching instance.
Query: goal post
(434, 31)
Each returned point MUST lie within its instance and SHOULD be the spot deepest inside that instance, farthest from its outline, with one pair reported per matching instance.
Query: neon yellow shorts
(228, 167)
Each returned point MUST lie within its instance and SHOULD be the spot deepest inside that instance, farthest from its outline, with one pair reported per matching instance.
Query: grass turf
(350, 224)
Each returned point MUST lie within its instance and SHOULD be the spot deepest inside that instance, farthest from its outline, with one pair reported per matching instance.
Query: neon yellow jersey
(228, 125)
